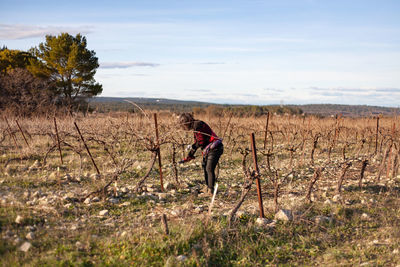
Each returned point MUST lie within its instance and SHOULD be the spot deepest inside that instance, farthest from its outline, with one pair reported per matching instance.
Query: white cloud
(124, 65)
(21, 31)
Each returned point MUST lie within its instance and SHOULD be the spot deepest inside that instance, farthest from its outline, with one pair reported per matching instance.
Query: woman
(211, 144)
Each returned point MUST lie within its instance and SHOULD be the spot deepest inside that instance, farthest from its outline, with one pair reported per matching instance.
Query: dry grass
(361, 225)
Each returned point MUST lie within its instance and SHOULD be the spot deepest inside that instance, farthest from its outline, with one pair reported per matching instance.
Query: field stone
(104, 213)
(151, 189)
(284, 215)
(199, 209)
(30, 228)
(113, 200)
(176, 212)
(172, 192)
(125, 204)
(171, 262)
(365, 217)
(79, 245)
(8, 234)
(87, 200)
(37, 194)
(322, 219)
(19, 219)
(169, 186)
(146, 195)
(30, 203)
(337, 198)
(68, 205)
(376, 242)
(181, 258)
(70, 197)
(17, 241)
(43, 201)
(53, 175)
(25, 247)
(95, 176)
(262, 222)
(272, 224)
(27, 194)
(30, 236)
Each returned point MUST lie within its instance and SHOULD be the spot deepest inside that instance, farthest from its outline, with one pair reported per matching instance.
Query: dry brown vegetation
(336, 178)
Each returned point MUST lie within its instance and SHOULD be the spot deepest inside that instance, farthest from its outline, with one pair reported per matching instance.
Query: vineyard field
(87, 191)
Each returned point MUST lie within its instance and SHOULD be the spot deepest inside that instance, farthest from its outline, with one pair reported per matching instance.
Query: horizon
(228, 52)
(238, 104)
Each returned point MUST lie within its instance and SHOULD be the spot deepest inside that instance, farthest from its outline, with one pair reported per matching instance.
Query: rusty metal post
(254, 152)
(87, 149)
(158, 153)
(23, 135)
(58, 141)
(174, 162)
(266, 131)
(376, 136)
(165, 223)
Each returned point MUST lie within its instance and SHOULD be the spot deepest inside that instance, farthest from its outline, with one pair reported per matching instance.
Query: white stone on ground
(25, 247)
(103, 213)
(284, 215)
(181, 258)
(337, 198)
(365, 217)
(19, 219)
(262, 222)
(320, 219)
(30, 236)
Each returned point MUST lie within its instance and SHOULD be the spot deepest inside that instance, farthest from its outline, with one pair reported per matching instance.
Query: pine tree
(66, 61)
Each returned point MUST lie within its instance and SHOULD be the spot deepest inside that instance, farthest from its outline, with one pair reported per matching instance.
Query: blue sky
(245, 52)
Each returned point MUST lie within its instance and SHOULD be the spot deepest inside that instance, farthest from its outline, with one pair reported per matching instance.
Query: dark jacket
(203, 136)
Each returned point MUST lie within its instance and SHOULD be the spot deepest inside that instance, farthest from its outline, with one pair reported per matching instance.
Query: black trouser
(210, 161)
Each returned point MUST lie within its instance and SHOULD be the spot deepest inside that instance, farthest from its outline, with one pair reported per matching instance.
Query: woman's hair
(186, 120)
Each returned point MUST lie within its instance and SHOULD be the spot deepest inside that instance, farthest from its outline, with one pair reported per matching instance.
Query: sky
(233, 52)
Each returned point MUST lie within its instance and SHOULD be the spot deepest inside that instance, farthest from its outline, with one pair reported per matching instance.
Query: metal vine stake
(254, 151)
(158, 153)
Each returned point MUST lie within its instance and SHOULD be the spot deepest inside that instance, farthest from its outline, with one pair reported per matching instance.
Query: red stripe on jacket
(203, 135)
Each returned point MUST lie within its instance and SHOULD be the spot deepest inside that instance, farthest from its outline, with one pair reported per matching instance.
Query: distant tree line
(58, 74)
(247, 110)
(104, 107)
(198, 108)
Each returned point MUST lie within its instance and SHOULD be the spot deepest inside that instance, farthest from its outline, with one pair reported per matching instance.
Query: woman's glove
(188, 158)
